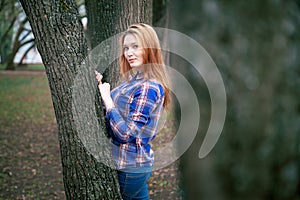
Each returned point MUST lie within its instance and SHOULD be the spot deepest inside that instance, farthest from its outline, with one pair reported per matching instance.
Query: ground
(30, 164)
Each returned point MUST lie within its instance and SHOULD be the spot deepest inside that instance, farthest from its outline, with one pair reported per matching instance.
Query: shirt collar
(138, 75)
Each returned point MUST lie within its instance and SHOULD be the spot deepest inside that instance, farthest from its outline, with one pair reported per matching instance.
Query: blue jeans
(134, 185)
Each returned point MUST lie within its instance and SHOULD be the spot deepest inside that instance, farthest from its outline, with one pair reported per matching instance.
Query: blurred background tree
(8, 17)
(14, 33)
(256, 48)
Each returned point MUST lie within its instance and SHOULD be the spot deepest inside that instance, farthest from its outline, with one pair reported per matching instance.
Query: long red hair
(154, 67)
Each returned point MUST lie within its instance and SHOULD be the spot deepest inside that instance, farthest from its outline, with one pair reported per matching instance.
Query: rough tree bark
(62, 44)
(120, 14)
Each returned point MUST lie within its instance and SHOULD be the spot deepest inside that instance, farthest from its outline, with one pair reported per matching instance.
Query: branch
(17, 47)
(25, 54)
(27, 42)
(25, 36)
(21, 27)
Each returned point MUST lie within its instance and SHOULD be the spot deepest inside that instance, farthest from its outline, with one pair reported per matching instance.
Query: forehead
(130, 39)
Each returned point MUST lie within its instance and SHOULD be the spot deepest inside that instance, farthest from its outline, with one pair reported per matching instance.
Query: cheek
(141, 54)
(125, 55)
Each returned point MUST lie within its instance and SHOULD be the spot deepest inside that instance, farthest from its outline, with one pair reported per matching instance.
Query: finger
(99, 76)
(97, 73)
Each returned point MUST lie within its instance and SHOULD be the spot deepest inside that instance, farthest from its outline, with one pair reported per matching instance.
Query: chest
(123, 95)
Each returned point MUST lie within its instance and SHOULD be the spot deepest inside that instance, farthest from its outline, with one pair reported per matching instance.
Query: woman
(133, 108)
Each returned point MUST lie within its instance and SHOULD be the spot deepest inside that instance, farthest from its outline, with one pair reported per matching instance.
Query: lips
(131, 60)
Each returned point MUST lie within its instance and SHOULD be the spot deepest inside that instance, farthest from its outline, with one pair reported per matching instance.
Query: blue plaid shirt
(133, 122)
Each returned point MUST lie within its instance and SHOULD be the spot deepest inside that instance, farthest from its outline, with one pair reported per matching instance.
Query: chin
(134, 66)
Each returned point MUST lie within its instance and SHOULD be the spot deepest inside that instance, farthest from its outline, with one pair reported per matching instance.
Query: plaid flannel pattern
(133, 122)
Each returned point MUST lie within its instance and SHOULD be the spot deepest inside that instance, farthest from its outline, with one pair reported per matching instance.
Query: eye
(135, 46)
(125, 48)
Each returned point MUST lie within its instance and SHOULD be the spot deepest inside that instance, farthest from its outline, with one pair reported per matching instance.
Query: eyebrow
(133, 43)
(130, 43)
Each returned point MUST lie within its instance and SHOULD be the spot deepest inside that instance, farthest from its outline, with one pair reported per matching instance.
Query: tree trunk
(62, 45)
(120, 14)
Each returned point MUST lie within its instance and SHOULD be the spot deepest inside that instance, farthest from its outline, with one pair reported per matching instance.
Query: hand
(104, 89)
(105, 94)
(98, 77)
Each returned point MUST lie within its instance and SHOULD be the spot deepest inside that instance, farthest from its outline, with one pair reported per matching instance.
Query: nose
(130, 51)
(129, 54)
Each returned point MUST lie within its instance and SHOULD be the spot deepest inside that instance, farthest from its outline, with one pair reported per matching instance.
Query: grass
(29, 147)
(24, 99)
(30, 67)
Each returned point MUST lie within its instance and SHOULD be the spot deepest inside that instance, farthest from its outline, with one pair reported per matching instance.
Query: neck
(137, 69)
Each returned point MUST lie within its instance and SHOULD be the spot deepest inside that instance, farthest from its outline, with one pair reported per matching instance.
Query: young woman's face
(133, 51)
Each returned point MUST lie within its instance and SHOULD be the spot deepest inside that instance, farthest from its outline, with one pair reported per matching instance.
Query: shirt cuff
(110, 110)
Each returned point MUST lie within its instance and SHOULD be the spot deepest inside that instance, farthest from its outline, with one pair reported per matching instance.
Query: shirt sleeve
(144, 100)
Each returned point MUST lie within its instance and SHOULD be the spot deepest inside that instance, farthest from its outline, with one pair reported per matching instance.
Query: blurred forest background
(256, 46)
